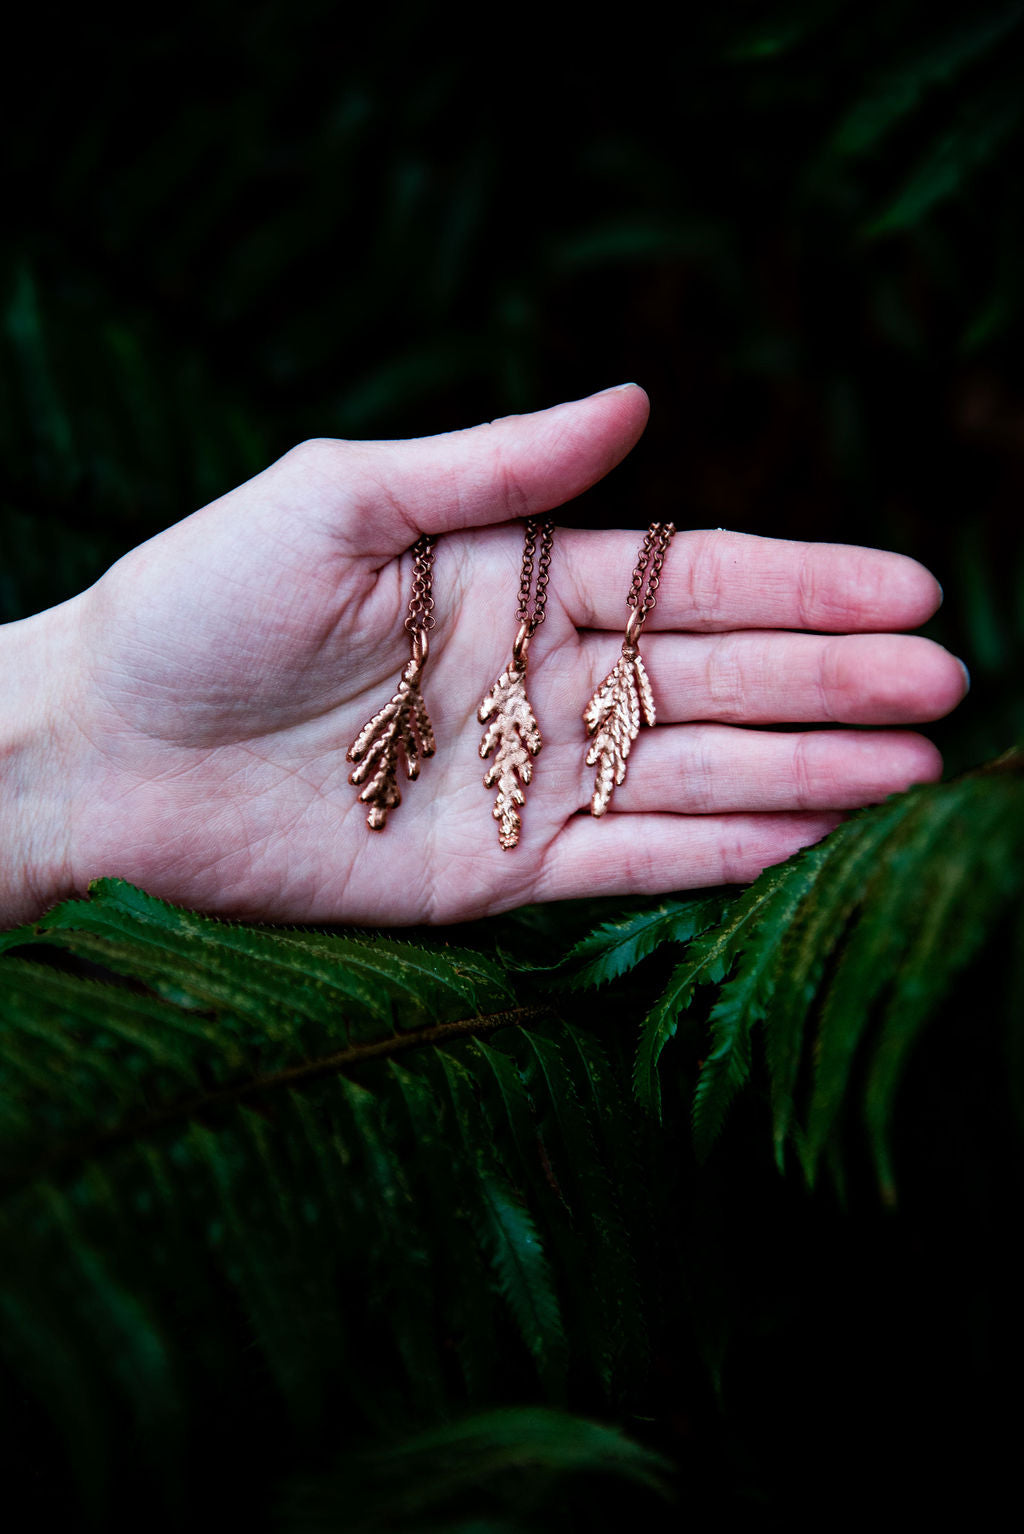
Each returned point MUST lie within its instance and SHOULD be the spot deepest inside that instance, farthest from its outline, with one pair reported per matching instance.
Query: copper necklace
(624, 699)
(402, 729)
(512, 731)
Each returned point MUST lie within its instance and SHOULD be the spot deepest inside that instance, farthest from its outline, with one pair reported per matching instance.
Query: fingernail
(963, 668)
(615, 389)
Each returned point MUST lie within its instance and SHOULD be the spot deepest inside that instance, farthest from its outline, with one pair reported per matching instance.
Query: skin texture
(184, 723)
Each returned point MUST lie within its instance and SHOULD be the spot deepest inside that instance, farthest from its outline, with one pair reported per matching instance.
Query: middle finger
(769, 677)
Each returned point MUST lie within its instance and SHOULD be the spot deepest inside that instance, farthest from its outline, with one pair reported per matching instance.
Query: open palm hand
(223, 670)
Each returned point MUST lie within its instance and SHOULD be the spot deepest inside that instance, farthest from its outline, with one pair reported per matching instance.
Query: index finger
(714, 581)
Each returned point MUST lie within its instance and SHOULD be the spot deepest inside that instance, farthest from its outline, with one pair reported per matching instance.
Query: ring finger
(766, 678)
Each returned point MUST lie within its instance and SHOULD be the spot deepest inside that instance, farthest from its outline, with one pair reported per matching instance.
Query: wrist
(38, 762)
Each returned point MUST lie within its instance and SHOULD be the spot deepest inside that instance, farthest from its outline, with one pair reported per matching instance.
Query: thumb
(516, 467)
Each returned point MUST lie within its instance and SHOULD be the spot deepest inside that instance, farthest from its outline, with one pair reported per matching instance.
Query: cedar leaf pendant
(401, 729)
(613, 718)
(512, 728)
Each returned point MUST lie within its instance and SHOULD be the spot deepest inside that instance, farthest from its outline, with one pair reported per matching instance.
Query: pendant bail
(633, 627)
(520, 645)
(420, 648)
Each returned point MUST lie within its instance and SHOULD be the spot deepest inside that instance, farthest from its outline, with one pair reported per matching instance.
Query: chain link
(648, 567)
(540, 595)
(421, 603)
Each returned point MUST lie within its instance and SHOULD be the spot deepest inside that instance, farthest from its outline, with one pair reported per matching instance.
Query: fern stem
(308, 1070)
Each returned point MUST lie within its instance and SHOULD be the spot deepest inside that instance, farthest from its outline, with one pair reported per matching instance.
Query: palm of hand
(234, 659)
(231, 688)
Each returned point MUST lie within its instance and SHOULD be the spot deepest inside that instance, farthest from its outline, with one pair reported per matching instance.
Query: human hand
(203, 694)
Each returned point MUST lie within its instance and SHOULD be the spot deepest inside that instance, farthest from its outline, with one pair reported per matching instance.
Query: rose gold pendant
(401, 731)
(512, 733)
(512, 728)
(624, 699)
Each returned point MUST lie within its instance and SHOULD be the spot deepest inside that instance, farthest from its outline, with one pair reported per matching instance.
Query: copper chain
(648, 571)
(648, 567)
(421, 603)
(540, 596)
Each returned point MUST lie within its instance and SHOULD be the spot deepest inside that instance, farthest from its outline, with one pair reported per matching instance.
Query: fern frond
(622, 1189)
(870, 940)
(975, 877)
(746, 996)
(885, 912)
(616, 947)
(838, 871)
(264, 974)
(708, 958)
(589, 1241)
(464, 1311)
(511, 1239)
(586, 1185)
(658, 1027)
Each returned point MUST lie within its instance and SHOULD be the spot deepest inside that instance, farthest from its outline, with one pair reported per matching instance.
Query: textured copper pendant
(400, 733)
(613, 718)
(624, 699)
(513, 734)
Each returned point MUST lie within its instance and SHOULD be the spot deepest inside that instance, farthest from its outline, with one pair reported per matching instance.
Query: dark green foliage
(841, 956)
(497, 1458)
(355, 1169)
(615, 947)
(312, 1179)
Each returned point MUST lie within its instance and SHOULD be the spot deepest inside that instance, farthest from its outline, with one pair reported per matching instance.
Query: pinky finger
(656, 854)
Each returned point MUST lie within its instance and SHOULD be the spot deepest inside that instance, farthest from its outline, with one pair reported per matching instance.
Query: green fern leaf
(399, 1247)
(708, 958)
(511, 1239)
(587, 1236)
(658, 1027)
(747, 994)
(513, 1100)
(836, 873)
(587, 1188)
(522, 1269)
(618, 946)
(883, 914)
(726, 1067)
(465, 1308)
(629, 1203)
(959, 901)
(75, 1051)
(872, 949)
(261, 973)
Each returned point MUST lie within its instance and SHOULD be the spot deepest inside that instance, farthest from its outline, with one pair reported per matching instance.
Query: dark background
(800, 227)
